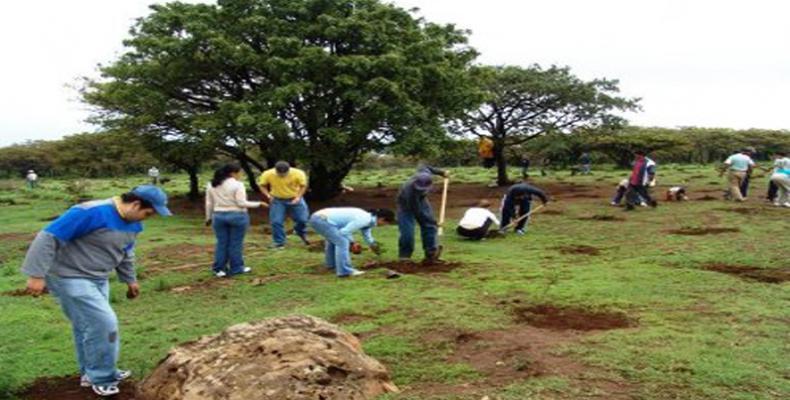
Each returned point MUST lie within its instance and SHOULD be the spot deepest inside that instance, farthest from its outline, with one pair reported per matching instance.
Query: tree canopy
(521, 104)
(314, 81)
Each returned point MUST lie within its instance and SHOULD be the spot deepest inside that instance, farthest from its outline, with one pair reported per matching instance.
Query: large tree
(315, 81)
(521, 104)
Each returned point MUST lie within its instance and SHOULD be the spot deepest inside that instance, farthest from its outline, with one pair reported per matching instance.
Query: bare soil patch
(698, 231)
(411, 267)
(552, 212)
(349, 318)
(748, 210)
(17, 236)
(602, 217)
(707, 197)
(21, 292)
(767, 275)
(68, 388)
(579, 249)
(570, 318)
(317, 246)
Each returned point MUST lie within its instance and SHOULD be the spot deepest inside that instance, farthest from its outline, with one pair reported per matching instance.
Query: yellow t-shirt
(286, 187)
(485, 148)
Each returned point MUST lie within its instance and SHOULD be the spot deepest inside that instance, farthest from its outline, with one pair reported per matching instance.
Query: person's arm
(125, 269)
(240, 197)
(537, 192)
(423, 212)
(367, 235)
(263, 183)
(431, 170)
(493, 218)
(302, 188)
(355, 225)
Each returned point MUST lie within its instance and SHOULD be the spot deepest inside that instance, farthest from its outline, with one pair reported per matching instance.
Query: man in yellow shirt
(485, 148)
(285, 187)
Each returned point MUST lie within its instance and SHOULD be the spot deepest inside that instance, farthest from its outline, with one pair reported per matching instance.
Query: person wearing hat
(285, 187)
(338, 224)
(413, 206)
(519, 195)
(738, 166)
(477, 221)
(73, 258)
(31, 179)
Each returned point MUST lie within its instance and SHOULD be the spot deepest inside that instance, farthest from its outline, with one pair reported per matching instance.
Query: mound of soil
(411, 267)
(569, 318)
(602, 217)
(289, 358)
(580, 249)
(68, 388)
(697, 231)
(553, 212)
(767, 275)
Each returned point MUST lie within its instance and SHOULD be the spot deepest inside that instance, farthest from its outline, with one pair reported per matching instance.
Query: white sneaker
(220, 274)
(122, 375)
(105, 390)
(786, 204)
(356, 272)
(247, 270)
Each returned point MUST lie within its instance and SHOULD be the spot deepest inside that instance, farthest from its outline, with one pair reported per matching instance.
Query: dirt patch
(411, 267)
(202, 284)
(503, 357)
(602, 217)
(68, 388)
(17, 236)
(552, 212)
(317, 246)
(349, 318)
(767, 275)
(707, 197)
(559, 318)
(747, 211)
(698, 231)
(580, 249)
(22, 292)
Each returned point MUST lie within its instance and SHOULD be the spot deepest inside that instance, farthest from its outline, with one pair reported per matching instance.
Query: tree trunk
(501, 164)
(251, 177)
(326, 183)
(194, 185)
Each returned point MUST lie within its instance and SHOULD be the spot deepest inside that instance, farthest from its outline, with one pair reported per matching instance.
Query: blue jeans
(509, 211)
(93, 323)
(299, 213)
(230, 229)
(428, 231)
(336, 254)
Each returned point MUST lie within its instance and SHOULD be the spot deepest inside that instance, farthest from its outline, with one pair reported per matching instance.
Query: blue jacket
(88, 241)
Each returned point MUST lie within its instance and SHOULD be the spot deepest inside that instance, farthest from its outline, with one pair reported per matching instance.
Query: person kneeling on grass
(676, 193)
(337, 226)
(519, 195)
(226, 212)
(73, 257)
(477, 221)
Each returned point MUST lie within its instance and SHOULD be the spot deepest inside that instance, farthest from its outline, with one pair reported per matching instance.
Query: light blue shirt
(349, 220)
(739, 162)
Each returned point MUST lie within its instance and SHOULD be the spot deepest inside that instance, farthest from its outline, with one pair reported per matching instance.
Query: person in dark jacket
(413, 205)
(519, 195)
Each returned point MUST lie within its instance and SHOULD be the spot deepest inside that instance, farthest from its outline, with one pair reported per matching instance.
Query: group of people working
(739, 168)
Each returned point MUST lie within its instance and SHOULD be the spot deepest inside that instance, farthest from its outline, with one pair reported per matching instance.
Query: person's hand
(268, 196)
(35, 286)
(375, 248)
(133, 290)
(208, 222)
(296, 200)
(355, 247)
(264, 204)
(446, 173)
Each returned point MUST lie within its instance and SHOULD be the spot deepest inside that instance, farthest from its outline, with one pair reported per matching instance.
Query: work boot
(433, 256)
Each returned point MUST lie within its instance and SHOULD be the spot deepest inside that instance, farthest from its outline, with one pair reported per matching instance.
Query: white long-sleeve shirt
(476, 217)
(229, 196)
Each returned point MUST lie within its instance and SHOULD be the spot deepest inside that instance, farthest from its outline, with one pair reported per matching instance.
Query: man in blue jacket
(519, 195)
(413, 206)
(337, 226)
(74, 256)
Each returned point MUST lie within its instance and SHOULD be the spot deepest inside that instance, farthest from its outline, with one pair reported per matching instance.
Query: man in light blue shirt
(738, 167)
(337, 226)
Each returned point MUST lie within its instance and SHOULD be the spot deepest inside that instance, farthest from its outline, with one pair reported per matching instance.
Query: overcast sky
(722, 63)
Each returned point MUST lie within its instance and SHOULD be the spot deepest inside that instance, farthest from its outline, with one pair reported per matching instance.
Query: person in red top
(643, 173)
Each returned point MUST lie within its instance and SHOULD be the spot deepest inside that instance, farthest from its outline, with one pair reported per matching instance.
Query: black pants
(745, 186)
(489, 162)
(772, 190)
(477, 233)
(509, 211)
(632, 196)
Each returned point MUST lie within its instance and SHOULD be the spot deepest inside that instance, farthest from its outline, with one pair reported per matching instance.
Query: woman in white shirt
(226, 212)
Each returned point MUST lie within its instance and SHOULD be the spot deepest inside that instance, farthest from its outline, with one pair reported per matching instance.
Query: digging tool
(444, 206)
(517, 220)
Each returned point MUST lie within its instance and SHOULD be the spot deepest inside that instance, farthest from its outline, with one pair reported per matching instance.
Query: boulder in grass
(289, 358)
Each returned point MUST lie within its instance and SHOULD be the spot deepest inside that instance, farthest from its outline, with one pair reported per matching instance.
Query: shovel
(517, 220)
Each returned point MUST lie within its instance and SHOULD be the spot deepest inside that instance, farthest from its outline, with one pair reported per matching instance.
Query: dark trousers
(632, 196)
(406, 224)
(773, 190)
(477, 233)
(509, 211)
(745, 186)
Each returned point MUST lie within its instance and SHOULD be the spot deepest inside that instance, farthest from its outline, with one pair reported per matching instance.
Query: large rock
(290, 358)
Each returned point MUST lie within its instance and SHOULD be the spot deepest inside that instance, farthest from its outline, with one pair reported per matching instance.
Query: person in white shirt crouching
(477, 221)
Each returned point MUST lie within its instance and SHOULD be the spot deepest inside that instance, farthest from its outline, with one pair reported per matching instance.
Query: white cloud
(700, 62)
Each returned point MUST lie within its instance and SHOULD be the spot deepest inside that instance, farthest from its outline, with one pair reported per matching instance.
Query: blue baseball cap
(154, 195)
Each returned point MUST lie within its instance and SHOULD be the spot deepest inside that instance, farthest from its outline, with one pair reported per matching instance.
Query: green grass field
(693, 333)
